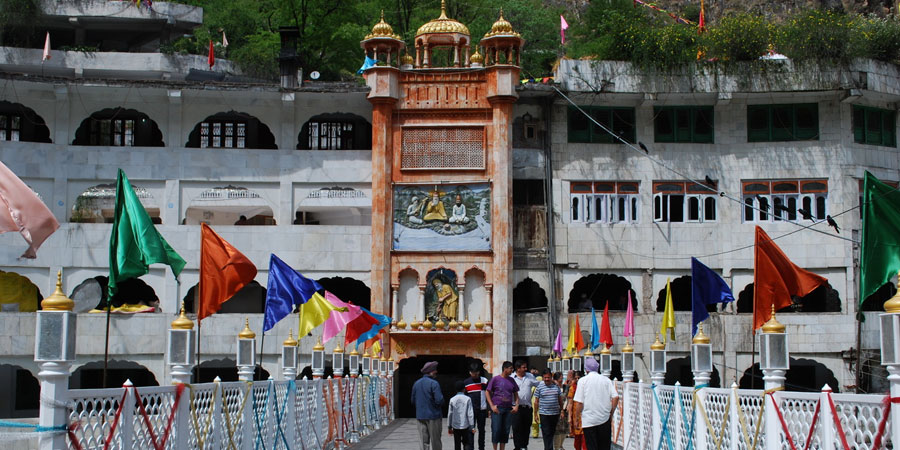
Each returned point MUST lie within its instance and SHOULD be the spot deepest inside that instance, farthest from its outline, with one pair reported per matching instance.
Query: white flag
(224, 40)
(46, 48)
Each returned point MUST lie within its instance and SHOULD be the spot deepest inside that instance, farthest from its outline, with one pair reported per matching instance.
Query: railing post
(826, 420)
(679, 420)
(773, 379)
(247, 436)
(289, 421)
(337, 401)
(894, 379)
(219, 430)
(734, 424)
(700, 430)
(627, 405)
(126, 424)
(655, 417)
(182, 422)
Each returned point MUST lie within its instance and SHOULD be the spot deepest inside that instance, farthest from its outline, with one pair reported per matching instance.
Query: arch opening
(335, 131)
(528, 295)
(682, 297)
(596, 289)
(229, 205)
(20, 123)
(21, 394)
(250, 299)
(231, 129)
(823, 299)
(679, 369)
(90, 375)
(451, 368)
(18, 293)
(119, 127)
(348, 289)
(97, 204)
(805, 375)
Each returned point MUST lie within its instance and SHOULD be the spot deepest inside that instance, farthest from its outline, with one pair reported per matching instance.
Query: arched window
(97, 204)
(231, 129)
(335, 131)
(681, 296)
(119, 127)
(528, 295)
(822, 299)
(20, 123)
(805, 375)
(596, 289)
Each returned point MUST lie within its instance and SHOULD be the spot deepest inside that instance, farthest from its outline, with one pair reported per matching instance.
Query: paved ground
(402, 434)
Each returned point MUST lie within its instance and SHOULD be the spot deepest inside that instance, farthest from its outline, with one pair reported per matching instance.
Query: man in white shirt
(522, 419)
(595, 398)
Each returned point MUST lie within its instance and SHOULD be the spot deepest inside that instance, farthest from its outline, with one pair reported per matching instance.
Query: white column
(655, 418)
(679, 419)
(826, 431)
(700, 430)
(734, 425)
(627, 401)
(395, 313)
(245, 373)
(127, 432)
(461, 312)
(421, 303)
(54, 377)
(773, 379)
(489, 318)
(182, 423)
(180, 374)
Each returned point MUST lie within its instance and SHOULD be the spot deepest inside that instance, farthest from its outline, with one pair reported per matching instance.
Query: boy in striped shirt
(550, 401)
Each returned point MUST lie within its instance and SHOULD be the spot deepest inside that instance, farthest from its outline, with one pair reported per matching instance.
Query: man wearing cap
(427, 399)
(595, 398)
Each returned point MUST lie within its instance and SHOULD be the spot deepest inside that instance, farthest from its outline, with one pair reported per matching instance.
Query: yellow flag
(376, 348)
(668, 320)
(570, 345)
(314, 313)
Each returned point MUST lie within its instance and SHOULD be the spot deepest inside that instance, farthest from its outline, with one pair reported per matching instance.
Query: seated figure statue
(434, 209)
(459, 211)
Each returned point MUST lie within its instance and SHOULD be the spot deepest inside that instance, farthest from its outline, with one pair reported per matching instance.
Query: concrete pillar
(461, 312)
(395, 313)
(421, 303)
(894, 379)
(826, 436)
(54, 378)
(773, 379)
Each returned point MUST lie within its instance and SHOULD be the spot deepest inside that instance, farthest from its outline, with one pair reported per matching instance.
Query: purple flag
(558, 346)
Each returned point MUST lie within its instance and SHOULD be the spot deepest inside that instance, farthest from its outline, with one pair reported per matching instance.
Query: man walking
(501, 397)
(475, 386)
(427, 399)
(522, 419)
(550, 400)
(595, 398)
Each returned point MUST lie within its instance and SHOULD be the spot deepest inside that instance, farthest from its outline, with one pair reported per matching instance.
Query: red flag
(223, 271)
(701, 24)
(358, 326)
(211, 59)
(776, 279)
(579, 341)
(605, 331)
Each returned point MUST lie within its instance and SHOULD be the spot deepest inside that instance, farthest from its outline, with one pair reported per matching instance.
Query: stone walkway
(402, 434)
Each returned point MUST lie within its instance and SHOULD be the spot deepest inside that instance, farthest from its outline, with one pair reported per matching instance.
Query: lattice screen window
(443, 148)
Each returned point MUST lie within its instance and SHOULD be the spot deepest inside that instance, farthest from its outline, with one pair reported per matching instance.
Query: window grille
(442, 148)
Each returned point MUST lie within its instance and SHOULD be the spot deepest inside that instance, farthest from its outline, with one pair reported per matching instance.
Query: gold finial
(366, 354)
(318, 347)
(627, 348)
(443, 9)
(354, 352)
(382, 30)
(700, 338)
(443, 24)
(247, 333)
(605, 350)
(892, 305)
(657, 345)
(479, 325)
(466, 324)
(476, 58)
(338, 349)
(182, 322)
(589, 352)
(415, 324)
(57, 301)
(773, 326)
(401, 325)
(501, 27)
(290, 341)
(428, 324)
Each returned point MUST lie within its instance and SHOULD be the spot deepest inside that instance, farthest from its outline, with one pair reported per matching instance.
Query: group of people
(580, 407)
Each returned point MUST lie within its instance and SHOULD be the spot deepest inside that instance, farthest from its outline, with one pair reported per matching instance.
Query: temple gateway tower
(442, 191)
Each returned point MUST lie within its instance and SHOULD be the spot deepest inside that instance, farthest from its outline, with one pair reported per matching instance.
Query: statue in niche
(442, 296)
(434, 209)
(413, 211)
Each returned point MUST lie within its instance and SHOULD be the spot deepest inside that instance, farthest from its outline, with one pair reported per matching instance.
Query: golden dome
(479, 325)
(57, 301)
(406, 59)
(182, 322)
(428, 324)
(566, 355)
(366, 354)
(700, 338)
(440, 324)
(657, 345)
(501, 27)
(453, 324)
(891, 306)
(401, 325)
(588, 352)
(247, 333)
(415, 324)
(354, 352)
(382, 30)
(773, 326)
(318, 347)
(476, 58)
(290, 341)
(338, 349)
(627, 348)
(443, 24)
(466, 324)
(605, 350)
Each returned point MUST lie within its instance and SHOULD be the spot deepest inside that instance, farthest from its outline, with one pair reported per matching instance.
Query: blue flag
(383, 321)
(595, 331)
(707, 288)
(369, 62)
(286, 288)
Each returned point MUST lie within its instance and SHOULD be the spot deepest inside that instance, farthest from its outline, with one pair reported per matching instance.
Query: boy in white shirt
(461, 419)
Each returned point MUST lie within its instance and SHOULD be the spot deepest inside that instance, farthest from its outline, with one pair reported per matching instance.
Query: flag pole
(198, 351)
(106, 344)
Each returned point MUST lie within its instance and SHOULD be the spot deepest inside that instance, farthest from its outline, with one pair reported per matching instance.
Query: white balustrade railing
(733, 420)
(281, 415)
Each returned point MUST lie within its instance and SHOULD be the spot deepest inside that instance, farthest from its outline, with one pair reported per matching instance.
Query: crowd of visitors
(517, 401)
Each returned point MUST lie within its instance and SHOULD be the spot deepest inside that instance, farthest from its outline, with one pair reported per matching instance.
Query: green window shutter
(806, 120)
(703, 124)
(859, 125)
(758, 123)
(873, 127)
(579, 126)
(664, 124)
(889, 129)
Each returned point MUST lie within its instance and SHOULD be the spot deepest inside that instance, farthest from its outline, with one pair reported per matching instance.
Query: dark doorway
(596, 289)
(90, 375)
(805, 375)
(21, 398)
(451, 368)
(225, 369)
(822, 299)
(679, 369)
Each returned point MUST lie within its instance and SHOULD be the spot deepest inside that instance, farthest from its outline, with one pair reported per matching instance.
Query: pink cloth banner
(21, 210)
(337, 321)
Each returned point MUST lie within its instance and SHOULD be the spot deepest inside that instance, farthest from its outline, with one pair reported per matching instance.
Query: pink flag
(21, 210)
(337, 321)
(558, 346)
(563, 26)
(629, 319)
(46, 55)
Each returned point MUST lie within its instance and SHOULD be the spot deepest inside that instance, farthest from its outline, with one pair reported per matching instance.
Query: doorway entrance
(451, 368)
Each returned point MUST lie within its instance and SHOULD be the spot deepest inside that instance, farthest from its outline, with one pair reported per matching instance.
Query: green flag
(880, 251)
(135, 243)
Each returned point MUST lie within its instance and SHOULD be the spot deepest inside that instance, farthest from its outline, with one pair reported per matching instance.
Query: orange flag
(223, 271)
(776, 279)
(579, 341)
